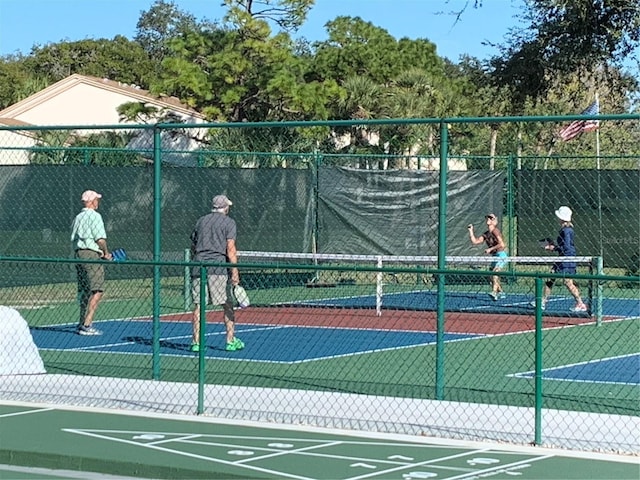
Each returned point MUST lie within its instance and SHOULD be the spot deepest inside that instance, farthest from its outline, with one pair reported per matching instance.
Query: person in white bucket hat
(565, 247)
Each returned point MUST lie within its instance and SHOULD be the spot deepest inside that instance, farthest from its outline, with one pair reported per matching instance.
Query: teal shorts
(501, 261)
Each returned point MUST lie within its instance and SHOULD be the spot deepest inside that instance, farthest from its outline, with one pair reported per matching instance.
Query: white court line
(239, 329)
(176, 337)
(420, 464)
(530, 373)
(305, 451)
(26, 412)
(185, 454)
(587, 362)
(500, 469)
(279, 453)
(33, 472)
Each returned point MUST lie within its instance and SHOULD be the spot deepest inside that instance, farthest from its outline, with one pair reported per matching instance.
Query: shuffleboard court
(88, 441)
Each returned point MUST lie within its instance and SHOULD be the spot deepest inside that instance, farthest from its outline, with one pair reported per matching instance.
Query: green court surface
(38, 441)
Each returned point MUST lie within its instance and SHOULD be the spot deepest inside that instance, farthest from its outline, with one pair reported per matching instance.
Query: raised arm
(475, 240)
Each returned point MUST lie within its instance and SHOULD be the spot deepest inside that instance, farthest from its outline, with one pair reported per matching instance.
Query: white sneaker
(82, 330)
(579, 308)
(533, 304)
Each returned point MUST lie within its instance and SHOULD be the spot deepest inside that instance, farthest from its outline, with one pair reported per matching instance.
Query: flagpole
(601, 236)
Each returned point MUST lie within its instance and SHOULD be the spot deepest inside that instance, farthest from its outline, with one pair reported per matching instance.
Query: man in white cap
(89, 241)
(214, 240)
(565, 247)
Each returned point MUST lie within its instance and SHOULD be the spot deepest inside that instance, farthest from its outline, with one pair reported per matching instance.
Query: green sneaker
(234, 345)
(195, 347)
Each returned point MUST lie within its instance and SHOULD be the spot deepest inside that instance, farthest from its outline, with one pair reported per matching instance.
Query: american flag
(575, 128)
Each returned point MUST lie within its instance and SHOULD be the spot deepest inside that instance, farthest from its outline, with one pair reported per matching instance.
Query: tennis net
(407, 282)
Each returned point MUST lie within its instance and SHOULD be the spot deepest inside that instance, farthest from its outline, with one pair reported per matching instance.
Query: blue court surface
(515, 303)
(268, 343)
(624, 370)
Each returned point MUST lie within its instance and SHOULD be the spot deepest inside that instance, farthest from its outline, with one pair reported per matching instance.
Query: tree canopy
(248, 67)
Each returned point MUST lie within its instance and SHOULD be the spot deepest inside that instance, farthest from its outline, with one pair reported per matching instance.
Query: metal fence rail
(512, 371)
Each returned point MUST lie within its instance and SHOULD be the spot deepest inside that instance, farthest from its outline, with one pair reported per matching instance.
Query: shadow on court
(285, 344)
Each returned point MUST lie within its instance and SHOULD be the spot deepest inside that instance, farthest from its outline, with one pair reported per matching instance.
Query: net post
(597, 264)
(379, 287)
(316, 271)
(186, 281)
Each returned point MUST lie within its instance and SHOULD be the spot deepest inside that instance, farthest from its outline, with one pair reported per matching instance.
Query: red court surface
(410, 320)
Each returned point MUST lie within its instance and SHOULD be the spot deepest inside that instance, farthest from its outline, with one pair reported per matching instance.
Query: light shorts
(501, 262)
(90, 275)
(218, 290)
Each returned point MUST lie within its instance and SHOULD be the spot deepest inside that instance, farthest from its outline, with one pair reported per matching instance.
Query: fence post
(538, 364)
(315, 214)
(379, 287)
(511, 210)
(597, 296)
(442, 252)
(186, 287)
(157, 175)
(202, 338)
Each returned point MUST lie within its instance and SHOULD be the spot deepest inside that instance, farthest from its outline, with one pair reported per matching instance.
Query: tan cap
(220, 201)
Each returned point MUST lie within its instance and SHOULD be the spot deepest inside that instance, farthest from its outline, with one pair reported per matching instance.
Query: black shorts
(564, 267)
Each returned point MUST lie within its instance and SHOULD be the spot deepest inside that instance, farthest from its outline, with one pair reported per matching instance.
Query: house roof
(12, 122)
(136, 94)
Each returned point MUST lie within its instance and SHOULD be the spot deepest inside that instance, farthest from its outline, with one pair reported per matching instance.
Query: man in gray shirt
(214, 239)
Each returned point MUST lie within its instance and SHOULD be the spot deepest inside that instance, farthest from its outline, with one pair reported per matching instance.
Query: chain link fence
(396, 332)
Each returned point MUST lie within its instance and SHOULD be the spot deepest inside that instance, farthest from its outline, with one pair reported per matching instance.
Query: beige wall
(14, 148)
(81, 104)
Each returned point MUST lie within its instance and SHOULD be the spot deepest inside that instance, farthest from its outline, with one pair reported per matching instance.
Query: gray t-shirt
(209, 239)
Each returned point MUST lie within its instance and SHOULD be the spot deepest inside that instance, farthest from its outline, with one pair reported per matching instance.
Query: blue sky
(24, 23)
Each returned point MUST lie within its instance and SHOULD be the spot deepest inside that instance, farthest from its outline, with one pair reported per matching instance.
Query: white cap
(90, 195)
(564, 214)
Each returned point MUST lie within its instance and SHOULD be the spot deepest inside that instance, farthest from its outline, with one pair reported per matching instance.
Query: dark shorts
(90, 276)
(564, 267)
